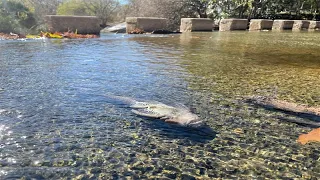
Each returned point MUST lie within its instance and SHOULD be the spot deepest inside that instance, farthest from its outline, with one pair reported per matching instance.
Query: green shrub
(8, 24)
(15, 17)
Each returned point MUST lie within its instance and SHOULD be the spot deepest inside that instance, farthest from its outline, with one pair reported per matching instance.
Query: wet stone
(202, 171)
(95, 170)
(114, 161)
(164, 152)
(76, 163)
(157, 171)
(210, 164)
(25, 162)
(187, 177)
(3, 163)
(141, 168)
(46, 163)
(189, 160)
(172, 168)
(171, 175)
(128, 173)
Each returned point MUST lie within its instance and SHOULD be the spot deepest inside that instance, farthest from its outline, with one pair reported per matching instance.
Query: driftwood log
(310, 115)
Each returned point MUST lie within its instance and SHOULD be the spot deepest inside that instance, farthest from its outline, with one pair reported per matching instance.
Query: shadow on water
(200, 134)
(301, 118)
(297, 115)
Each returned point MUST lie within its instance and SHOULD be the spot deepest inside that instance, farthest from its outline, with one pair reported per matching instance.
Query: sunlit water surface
(57, 122)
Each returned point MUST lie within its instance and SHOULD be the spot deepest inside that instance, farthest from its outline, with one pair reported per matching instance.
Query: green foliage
(15, 17)
(8, 24)
(296, 9)
(73, 7)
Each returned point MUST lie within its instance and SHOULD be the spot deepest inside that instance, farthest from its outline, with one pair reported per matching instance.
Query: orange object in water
(312, 136)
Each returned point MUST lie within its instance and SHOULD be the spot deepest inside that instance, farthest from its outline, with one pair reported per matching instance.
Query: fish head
(188, 118)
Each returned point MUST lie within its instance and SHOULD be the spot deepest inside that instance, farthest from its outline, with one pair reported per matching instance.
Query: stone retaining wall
(282, 24)
(233, 24)
(260, 24)
(81, 24)
(146, 24)
(196, 24)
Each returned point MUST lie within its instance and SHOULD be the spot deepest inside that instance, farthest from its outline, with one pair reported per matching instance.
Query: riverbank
(4, 36)
(56, 35)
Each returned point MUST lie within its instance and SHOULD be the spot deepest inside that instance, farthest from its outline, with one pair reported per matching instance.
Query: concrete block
(233, 24)
(300, 25)
(314, 25)
(282, 24)
(196, 24)
(260, 24)
(146, 24)
(81, 24)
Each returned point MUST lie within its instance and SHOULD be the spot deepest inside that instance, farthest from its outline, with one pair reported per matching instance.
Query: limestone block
(146, 24)
(81, 24)
(260, 24)
(233, 24)
(282, 24)
(314, 25)
(196, 24)
(300, 25)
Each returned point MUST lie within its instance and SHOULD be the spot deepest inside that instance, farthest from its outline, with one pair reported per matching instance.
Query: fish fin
(146, 113)
(139, 105)
(173, 121)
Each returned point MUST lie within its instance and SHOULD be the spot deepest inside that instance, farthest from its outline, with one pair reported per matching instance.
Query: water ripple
(56, 122)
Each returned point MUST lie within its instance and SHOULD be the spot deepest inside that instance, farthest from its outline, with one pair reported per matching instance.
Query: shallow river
(56, 120)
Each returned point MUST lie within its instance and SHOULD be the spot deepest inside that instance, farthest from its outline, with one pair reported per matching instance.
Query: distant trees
(40, 8)
(14, 16)
(198, 7)
(218, 9)
(297, 9)
(173, 10)
(27, 15)
(103, 9)
(73, 7)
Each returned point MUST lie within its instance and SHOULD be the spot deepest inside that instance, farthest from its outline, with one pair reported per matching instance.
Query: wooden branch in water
(312, 113)
(304, 122)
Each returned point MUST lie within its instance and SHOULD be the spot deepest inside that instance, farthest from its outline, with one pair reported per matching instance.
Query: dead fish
(178, 115)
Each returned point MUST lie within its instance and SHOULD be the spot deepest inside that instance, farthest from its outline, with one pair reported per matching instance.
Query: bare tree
(44, 7)
(103, 9)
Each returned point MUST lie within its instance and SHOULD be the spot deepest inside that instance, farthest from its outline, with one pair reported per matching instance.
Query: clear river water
(57, 122)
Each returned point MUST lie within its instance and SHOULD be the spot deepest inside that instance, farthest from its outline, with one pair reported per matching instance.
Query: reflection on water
(56, 122)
